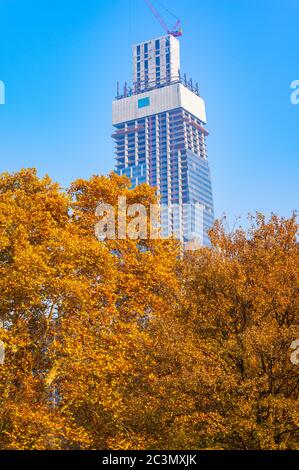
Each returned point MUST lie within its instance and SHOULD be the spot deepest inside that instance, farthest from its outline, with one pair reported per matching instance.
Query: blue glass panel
(143, 102)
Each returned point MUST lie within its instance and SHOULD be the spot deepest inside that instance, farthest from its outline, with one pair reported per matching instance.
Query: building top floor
(156, 62)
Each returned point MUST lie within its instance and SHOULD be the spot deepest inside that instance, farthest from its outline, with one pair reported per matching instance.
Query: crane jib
(176, 31)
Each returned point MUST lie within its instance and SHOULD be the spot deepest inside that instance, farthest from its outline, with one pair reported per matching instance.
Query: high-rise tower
(160, 139)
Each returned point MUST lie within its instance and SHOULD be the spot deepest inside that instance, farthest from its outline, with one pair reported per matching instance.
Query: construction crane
(176, 31)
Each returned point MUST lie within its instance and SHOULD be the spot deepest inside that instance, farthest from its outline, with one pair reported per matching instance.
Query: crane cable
(166, 9)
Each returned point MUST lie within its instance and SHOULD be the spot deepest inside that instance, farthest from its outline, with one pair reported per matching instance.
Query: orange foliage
(122, 345)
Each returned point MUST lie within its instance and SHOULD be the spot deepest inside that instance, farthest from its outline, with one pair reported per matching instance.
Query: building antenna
(176, 31)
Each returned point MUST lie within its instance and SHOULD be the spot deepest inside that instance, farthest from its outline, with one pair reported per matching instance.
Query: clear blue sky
(60, 60)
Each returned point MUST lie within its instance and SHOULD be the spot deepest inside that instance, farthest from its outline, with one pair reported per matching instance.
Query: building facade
(160, 139)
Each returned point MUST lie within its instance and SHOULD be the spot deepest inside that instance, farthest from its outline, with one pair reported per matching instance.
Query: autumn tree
(99, 374)
(224, 379)
(37, 282)
(121, 344)
(73, 310)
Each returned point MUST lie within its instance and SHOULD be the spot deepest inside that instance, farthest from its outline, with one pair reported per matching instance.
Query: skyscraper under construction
(160, 139)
